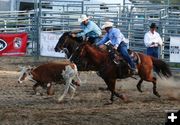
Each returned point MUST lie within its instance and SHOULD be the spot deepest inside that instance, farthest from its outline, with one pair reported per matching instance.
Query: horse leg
(155, 92)
(111, 87)
(139, 85)
(153, 80)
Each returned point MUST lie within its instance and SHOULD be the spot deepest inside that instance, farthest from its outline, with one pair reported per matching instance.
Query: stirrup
(134, 71)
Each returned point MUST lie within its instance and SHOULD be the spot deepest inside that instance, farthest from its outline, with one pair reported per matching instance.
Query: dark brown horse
(110, 71)
(67, 43)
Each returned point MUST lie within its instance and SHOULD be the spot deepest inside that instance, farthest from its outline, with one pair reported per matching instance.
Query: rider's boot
(134, 71)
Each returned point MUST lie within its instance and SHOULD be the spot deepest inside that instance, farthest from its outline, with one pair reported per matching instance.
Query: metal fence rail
(60, 16)
(20, 21)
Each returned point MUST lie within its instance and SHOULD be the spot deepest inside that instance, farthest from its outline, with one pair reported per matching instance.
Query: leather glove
(73, 35)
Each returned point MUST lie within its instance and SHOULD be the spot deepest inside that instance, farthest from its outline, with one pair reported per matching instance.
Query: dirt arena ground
(19, 106)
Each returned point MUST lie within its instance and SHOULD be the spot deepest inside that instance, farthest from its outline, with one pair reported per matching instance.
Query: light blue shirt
(90, 30)
(114, 35)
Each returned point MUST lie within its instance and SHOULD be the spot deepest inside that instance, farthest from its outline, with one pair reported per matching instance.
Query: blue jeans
(122, 48)
(152, 51)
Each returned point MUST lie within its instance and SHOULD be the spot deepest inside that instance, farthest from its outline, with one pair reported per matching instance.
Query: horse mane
(66, 33)
(77, 39)
(98, 51)
(96, 48)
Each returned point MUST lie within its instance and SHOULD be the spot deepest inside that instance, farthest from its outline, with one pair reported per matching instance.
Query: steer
(45, 74)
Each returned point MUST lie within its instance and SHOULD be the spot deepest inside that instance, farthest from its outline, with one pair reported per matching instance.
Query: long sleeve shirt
(150, 38)
(114, 35)
(90, 30)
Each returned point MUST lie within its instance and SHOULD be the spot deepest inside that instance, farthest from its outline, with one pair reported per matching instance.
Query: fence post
(82, 7)
(37, 8)
(5, 25)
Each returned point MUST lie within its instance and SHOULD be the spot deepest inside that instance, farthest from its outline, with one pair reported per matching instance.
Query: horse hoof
(157, 94)
(139, 89)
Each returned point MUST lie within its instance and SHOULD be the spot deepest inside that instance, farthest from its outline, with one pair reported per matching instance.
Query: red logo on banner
(13, 44)
(17, 42)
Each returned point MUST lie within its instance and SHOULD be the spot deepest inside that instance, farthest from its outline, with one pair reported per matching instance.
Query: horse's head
(24, 73)
(67, 44)
(61, 41)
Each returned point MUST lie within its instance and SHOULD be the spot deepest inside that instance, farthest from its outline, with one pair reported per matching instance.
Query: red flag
(13, 44)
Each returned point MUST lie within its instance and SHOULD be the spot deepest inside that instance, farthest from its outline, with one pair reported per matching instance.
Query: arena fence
(59, 16)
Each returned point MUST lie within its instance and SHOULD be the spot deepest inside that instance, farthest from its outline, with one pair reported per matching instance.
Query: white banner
(47, 44)
(174, 49)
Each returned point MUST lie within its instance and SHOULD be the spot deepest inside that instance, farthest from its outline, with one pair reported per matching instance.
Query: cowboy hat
(83, 18)
(107, 24)
(153, 25)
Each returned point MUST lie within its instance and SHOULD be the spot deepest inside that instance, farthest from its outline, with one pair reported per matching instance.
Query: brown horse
(109, 71)
(145, 66)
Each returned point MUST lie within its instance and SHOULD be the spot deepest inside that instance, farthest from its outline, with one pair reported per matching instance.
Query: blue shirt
(90, 30)
(114, 35)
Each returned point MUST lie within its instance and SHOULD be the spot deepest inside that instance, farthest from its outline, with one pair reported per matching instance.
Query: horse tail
(161, 67)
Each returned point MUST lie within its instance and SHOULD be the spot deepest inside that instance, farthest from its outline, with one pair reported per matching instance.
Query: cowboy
(152, 41)
(117, 40)
(90, 30)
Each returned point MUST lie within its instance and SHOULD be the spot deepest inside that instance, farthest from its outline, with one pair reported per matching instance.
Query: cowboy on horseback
(117, 40)
(90, 30)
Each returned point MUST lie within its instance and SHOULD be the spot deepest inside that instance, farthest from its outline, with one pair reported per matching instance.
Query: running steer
(43, 75)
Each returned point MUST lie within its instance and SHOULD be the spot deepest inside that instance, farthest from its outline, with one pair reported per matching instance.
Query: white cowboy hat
(107, 24)
(83, 18)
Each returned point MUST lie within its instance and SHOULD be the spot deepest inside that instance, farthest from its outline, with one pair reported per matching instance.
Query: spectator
(152, 41)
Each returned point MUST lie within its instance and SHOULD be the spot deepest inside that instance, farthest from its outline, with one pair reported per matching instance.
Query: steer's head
(24, 73)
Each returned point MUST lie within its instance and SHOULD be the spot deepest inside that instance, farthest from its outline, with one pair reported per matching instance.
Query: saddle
(120, 62)
(114, 54)
(134, 56)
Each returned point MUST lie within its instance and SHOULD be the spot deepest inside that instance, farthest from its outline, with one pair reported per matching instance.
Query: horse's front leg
(139, 85)
(111, 87)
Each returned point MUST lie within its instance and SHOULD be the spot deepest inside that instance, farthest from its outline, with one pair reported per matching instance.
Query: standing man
(90, 30)
(117, 40)
(152, 41)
